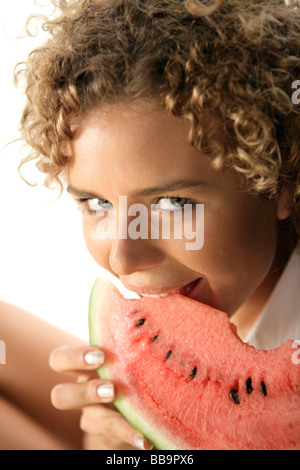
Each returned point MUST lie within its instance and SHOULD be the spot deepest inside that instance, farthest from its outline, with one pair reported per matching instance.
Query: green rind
(137, 421)
(97, 291)
(122, 404)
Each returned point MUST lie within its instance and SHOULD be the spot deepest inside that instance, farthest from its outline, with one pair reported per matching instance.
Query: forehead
(131, 148)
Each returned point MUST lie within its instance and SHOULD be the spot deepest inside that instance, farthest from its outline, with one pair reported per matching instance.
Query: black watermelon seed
(263, 388)
(248, 386)
(193, 373)
(234, 396)
(140, 322)
(168, 354)
(154, 338)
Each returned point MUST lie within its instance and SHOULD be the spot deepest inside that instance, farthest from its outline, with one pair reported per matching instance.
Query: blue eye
(98, 204)
(92, 206)
(171, 203)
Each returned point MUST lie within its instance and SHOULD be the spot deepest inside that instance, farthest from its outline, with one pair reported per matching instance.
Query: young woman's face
(137, 153)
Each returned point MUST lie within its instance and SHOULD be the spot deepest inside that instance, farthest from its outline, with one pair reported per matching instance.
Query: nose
(128, 256)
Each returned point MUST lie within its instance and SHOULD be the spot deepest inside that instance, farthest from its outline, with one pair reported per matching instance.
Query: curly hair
(235, 60)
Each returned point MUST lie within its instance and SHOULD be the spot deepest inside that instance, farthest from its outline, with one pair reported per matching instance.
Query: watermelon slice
(187, 381)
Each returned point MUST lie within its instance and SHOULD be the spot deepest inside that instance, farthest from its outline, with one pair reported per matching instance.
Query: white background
(44, 265)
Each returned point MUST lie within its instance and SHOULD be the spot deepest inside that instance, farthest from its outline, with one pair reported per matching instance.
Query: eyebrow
(170, 186)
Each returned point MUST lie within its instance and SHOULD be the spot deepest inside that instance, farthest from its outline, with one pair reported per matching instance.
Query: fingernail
(94, 358)
(105, 391)
(139, 442)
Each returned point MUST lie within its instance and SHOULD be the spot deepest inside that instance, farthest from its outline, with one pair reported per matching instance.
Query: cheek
(239, 247)
(243, 241)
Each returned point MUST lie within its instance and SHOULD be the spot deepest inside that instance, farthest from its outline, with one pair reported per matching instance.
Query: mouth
(188, 290)
(191, 290)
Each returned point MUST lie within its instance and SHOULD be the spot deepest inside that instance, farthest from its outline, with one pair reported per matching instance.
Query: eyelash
(84, 207)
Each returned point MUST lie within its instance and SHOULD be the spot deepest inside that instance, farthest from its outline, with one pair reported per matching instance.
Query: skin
(241, 260)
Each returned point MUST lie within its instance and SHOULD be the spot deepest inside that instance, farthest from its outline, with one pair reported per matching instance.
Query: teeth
(155, 296)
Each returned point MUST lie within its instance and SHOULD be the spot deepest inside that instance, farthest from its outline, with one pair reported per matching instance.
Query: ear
(284, 203)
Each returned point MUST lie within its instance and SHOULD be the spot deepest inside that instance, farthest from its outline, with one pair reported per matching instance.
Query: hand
(103, 425)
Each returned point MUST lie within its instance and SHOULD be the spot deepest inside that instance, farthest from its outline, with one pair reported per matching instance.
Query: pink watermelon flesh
(186, 380)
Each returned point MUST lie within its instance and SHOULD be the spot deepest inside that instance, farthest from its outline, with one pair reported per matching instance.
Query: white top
(280, 318)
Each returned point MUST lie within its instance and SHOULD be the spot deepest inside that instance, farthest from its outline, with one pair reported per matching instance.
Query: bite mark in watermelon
(187, 381)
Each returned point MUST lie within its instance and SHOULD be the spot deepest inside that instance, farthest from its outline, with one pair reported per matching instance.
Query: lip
(163, 290)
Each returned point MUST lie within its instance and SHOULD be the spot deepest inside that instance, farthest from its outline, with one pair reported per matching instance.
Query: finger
(102, 421)
(94, 442)
(69, 358)
(70, 396)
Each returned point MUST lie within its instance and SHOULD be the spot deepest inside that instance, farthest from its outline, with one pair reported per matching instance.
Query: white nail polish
(105, 391)
(139, 442)
(94, 358)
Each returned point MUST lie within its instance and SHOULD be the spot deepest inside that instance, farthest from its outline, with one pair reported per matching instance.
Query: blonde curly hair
(235, 59)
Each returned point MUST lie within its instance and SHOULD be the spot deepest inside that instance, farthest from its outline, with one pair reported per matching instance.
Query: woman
(169, 103)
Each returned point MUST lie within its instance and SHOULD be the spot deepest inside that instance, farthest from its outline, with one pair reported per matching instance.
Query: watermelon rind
(123, 405)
